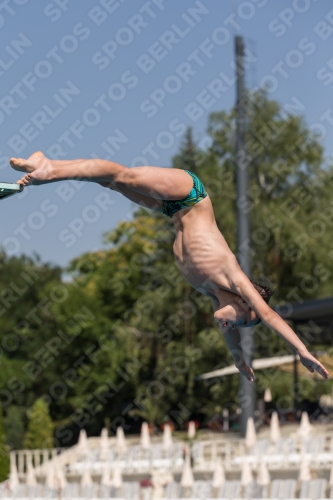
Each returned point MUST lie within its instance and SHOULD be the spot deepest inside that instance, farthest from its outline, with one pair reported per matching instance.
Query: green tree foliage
(14, 423)
(40, 427)
(4, 457)
(289, 197)
(28, 288)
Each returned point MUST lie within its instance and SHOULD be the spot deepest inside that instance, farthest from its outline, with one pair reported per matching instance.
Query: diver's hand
(246, 371)
(312, 364)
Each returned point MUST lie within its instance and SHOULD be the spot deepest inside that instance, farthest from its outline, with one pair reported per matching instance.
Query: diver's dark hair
(263, 290)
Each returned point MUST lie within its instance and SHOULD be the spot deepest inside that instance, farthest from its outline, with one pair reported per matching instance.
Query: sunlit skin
(201, 252)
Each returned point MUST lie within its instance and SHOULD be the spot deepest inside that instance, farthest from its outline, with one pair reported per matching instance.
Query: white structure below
(212, 466)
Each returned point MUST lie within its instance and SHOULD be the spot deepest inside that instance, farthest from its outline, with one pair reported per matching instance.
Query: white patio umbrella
(225, 415)
(275, 433)
(30, 477)
(305, 427)
(191, 430)
(304, 470)
(159, 479)
(187, 479)
(117, 479)
(145, 437)
(83, 442)
(121, 445)
(13, 477)
(219, 474)
(167, 437)
(267, 395)
(50, 480)
(330, 482)
(246, 474)
(60, 478)
(105, 478)
(263, 477)
(86, 479)
(104, 444)
(250, 436)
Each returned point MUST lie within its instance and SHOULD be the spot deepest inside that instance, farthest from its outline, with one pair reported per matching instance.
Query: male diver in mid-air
(202, 254)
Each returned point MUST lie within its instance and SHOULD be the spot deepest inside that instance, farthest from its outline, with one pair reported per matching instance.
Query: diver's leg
(155, 182)
(140, 199)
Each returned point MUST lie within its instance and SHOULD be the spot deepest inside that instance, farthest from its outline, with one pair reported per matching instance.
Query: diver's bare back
(202, 254)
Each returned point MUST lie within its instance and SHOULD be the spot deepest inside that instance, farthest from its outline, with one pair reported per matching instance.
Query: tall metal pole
(246, 388)
(296, 388)
(296, 392)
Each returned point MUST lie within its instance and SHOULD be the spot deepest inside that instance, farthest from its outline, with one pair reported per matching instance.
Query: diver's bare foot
(246, 371)
(38, 168)
(32, 163)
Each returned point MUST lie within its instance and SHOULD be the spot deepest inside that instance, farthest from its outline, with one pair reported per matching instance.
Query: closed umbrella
(267, 395)
(275, 433)
(13, 477)
(191, 430)
(117, 479)
(145, 437)
(86, 482)
(167, 437)
(105, 479)
(304, 470)
(82, 438)
(104, 444)
(159, 479)
(304, 428)
(246, 474)
(120, 442)
(331, 476)
(219, 474)
(61, 478)
(263, 477)
(86, 479)
(187, 479)
(30, 477)
(225, 414)
(250, 436)
(50, 480)
(83, 442)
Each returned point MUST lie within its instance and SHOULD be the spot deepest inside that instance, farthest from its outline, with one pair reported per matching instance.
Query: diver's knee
(126, 178)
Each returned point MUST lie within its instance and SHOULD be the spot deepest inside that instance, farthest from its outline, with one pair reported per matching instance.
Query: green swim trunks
(196, 194)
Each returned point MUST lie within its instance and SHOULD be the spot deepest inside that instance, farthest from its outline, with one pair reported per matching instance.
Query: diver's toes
(18, 163)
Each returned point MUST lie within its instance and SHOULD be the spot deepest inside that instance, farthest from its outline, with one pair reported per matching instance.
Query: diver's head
(237, 313)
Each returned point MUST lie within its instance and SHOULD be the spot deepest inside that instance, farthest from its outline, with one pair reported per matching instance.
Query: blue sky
(122, 80)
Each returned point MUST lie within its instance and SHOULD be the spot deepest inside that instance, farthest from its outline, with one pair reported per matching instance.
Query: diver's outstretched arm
(240, 284)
